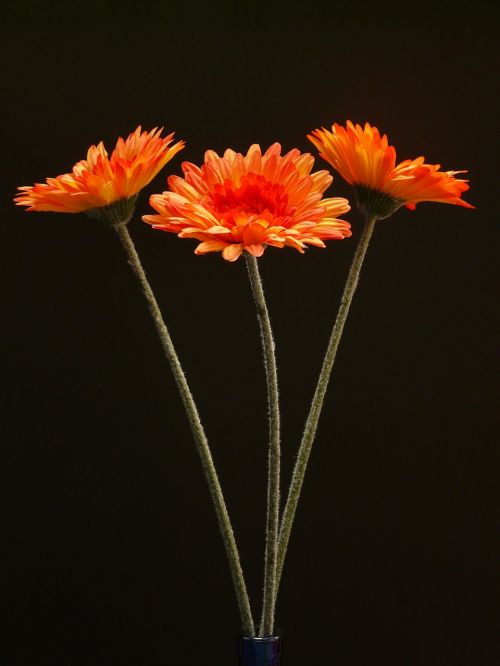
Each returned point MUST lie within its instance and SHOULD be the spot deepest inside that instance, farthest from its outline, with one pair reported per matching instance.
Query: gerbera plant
(367, 161)
(107, 189)
(239, 205)
(243, 203)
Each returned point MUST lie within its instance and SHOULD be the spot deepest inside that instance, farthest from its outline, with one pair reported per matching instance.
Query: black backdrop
(110, 550)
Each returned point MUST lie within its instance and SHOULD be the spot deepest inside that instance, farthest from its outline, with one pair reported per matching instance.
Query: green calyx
(375, 203)
(116, 213)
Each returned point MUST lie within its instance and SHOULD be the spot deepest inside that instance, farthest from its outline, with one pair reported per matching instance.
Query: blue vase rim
(264, 639)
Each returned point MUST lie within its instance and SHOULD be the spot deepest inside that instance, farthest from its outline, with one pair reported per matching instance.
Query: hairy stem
(319, 395)
(197, 430)
(273, 482)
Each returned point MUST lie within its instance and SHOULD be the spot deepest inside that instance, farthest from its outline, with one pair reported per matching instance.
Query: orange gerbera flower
(246, 202)
(101, 186)
(367, 161)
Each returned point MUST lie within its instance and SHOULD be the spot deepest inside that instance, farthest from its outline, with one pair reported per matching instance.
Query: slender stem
(319, 395)
(198, 432)
(273, 483)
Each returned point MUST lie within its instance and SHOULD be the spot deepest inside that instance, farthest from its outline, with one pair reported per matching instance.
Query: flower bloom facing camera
(247, 202)
(367, 161)
(102, 186)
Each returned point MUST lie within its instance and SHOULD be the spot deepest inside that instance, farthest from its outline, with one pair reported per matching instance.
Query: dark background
(110, 553)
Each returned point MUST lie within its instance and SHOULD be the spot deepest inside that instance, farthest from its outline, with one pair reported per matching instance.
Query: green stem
(319, 395)
(273, 483)
(198, 432)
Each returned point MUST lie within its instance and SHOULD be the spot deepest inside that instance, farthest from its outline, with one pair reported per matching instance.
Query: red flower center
(255, 197)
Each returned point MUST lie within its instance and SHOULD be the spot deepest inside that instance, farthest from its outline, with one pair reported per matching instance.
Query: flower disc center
(255, 196)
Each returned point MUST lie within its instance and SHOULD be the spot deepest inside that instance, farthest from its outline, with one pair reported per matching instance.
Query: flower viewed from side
(102, 186)
(247, 202)
(367, 161)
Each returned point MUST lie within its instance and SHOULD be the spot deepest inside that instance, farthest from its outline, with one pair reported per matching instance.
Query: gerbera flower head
(367, 161)
(237, 203)
(104, 187)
